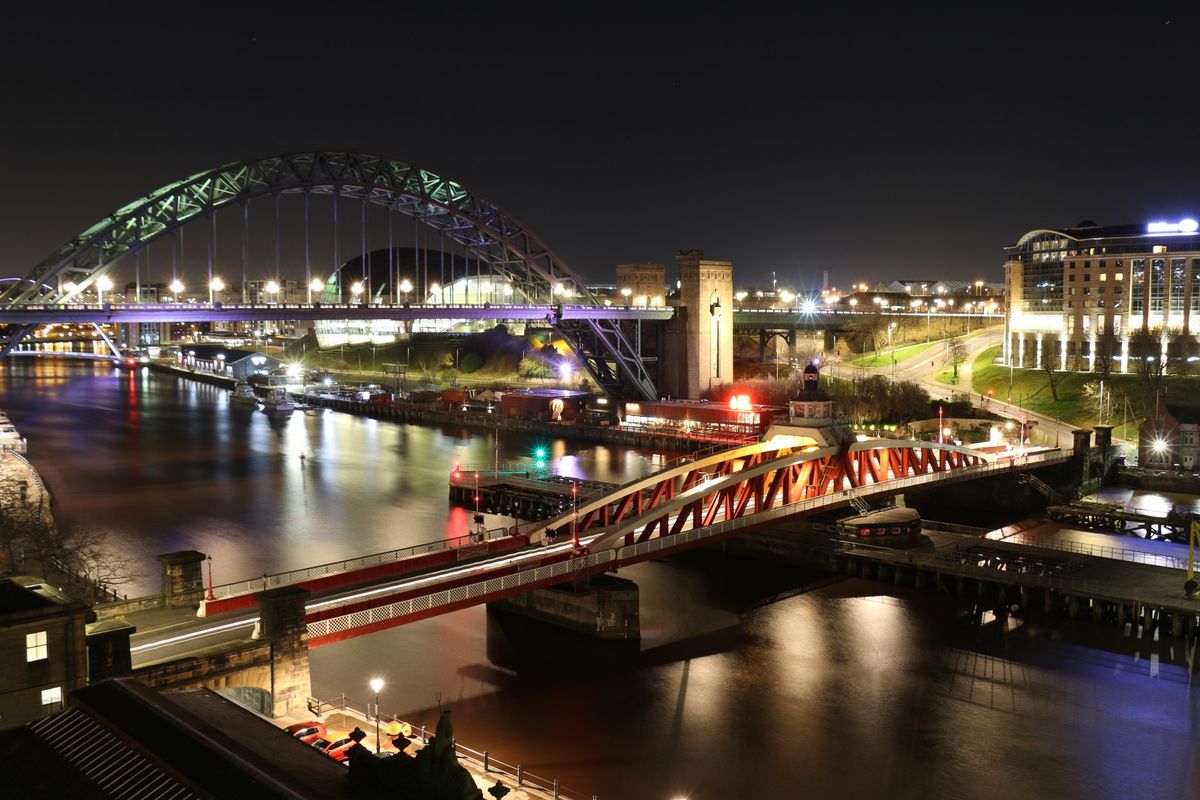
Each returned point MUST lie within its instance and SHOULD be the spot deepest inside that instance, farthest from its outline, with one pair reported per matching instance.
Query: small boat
(243, 395)
(278, 401)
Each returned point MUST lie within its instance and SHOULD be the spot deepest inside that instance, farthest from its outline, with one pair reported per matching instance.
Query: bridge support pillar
(182, 582)
(604, 607)
(1072, 607)
(283, 627)
(1176, 624)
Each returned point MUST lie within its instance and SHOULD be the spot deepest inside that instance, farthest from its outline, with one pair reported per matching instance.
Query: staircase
(1044, 489)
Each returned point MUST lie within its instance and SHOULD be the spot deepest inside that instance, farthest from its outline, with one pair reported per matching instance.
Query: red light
(476, 476)
(476, 498)
(457, 475)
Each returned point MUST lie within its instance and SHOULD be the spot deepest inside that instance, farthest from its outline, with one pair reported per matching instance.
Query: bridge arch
(511, 250)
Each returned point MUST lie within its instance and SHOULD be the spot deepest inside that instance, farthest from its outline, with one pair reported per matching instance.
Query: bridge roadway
(744, 317)
(41, 314)
(550, 560)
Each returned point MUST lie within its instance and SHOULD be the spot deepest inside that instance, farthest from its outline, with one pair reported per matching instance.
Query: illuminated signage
(1183, 226)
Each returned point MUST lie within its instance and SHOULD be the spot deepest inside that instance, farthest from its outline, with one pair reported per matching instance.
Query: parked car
(307, 732)
(339, 749)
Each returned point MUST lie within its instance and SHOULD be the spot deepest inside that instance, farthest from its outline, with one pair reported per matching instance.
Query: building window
(1087, 276)
(52, 697)
(35, 646)
(1071, 277)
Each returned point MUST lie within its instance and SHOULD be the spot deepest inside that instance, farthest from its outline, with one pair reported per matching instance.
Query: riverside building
(1118, 292)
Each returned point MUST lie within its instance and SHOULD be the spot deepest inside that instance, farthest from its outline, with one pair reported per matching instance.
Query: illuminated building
(1120, 292)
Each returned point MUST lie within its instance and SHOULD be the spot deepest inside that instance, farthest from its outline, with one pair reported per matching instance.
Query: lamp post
(315, 286)
(215, 285)
(376, 685)
(176, 289)
(406, 287)
(356, 289)
(272, 288)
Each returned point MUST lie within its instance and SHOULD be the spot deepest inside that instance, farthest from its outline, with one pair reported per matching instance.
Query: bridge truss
(512, 252)
(700, 502)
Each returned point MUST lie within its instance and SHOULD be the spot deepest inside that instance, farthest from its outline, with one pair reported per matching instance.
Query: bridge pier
(182, 582)
(284, 629)
(603, 606)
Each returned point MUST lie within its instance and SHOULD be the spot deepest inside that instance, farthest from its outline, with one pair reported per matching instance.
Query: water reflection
(161, 464)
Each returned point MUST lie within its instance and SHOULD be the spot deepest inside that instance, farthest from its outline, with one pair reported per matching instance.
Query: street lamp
(376, 685)
(356, 289)
(316, 286)
(103, 285)
(176, 289)
(406, 287)
(273, 290)
(434, 288)
(215, 285)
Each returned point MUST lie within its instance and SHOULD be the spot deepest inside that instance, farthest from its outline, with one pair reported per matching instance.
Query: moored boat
(243, 395)
(278, 401)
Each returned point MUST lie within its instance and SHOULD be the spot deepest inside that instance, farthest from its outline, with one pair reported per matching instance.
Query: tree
(956, 353)
(1052, 377)
(1106, 350)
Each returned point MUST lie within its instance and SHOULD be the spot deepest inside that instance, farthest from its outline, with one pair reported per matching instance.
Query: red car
(339, 749)
(307, 732)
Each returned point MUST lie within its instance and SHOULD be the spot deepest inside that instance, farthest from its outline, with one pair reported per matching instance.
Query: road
(922, 368)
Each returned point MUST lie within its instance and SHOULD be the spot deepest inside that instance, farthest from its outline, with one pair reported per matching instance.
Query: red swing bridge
(711, 498)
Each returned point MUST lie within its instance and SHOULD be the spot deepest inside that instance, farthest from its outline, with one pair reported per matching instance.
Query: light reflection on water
(853, 690)
(161, 464)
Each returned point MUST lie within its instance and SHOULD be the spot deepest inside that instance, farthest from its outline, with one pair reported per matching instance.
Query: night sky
(875, 145)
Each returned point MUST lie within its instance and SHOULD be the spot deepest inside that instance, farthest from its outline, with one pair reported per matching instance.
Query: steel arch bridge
(513, 252)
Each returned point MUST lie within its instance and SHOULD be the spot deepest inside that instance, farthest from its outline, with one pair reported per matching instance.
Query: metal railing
(349, 565)
(481, 758)
(1101, 551)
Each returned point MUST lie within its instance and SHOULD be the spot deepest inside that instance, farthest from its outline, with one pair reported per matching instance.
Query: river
(750, 681)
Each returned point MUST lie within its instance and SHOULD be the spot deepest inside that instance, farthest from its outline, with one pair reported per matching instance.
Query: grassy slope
(1031, 389)
(884, 357)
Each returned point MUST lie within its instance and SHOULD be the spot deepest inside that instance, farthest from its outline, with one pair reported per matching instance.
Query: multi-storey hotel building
(1082, 293)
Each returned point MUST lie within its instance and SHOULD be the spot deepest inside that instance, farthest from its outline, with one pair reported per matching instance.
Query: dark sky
(874, 144)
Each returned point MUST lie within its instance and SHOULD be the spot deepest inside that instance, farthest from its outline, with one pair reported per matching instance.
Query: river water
(751, 680)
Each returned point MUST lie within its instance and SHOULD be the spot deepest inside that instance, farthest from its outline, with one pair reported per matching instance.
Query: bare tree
(1052, 376)
(1106, 350)
(956, 353)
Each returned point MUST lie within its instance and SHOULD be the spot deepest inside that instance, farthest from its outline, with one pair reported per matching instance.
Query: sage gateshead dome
(1090, 292)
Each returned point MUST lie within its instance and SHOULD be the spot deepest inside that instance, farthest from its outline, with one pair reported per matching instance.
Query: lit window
(1120, 276)
(1103, 276)
(52, 697)
(35, 646)
(1160, 248)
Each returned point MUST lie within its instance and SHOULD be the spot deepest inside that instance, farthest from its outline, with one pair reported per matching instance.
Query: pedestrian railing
(516, 773)
(337, 567)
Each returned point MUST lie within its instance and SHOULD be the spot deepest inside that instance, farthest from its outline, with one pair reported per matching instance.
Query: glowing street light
(376, 685)
(315, 286)
(739, 296)
(215, 285)
(406, 287)
(356, 289)
(176, 289)
(434, 288)
(103, 285)
(273, 290)
(626, 292)
(786, 297)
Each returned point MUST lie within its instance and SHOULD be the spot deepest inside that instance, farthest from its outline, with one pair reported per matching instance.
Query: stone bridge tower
(706, 298)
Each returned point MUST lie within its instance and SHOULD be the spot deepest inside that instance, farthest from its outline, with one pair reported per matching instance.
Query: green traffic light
(539, 454)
